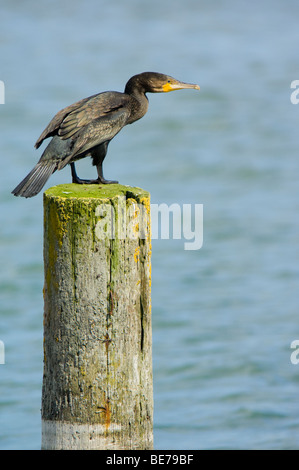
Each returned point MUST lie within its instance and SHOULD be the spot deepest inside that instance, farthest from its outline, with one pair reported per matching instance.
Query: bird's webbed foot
(81, 181)
(99, 180)
(104, 181)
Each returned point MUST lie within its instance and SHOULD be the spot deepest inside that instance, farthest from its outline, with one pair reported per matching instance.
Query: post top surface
(99, 191)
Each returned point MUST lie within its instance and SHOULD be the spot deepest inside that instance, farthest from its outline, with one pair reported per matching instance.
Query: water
(223, 316)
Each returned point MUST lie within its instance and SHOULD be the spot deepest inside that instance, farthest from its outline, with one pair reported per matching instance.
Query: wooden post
(97, 385)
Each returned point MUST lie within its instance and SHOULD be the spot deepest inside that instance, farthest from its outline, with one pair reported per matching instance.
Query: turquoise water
(223, 316)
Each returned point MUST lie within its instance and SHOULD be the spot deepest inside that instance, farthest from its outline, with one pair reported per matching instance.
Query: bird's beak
(176, 85)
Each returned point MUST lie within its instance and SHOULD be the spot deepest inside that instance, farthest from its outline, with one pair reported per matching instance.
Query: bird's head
(156, 83)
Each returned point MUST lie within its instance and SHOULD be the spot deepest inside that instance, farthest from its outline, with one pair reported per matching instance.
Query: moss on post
(97, 386)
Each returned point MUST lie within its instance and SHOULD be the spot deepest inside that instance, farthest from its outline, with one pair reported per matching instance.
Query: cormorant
(87, 126)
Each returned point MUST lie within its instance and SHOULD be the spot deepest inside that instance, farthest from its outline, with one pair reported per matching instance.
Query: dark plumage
(86, 128)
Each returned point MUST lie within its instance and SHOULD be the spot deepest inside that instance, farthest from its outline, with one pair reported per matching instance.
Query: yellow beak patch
(167, 87)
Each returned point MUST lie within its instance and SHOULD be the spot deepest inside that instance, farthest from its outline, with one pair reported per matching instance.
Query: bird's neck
(139, 103)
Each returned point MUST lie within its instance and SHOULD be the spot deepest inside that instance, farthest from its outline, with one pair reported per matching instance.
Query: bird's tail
(36, 179)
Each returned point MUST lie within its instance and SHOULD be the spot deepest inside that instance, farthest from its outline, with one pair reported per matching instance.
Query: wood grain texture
(97, 384)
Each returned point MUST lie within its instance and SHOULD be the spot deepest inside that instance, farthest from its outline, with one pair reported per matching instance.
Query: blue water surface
(224, 316)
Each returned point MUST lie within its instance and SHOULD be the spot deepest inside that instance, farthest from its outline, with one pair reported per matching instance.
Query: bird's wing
(71, 119)
(54, 124)
(98, 131)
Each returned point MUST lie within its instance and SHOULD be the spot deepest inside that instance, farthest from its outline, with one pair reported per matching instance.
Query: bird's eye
(168, 81)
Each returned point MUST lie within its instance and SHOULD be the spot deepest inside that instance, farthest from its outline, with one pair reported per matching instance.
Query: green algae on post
(94, 190)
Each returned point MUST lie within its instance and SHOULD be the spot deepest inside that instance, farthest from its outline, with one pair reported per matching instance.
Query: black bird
(86, 128)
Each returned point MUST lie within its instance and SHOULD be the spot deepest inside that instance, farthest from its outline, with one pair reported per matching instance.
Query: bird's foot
(80, 181)
(103, 181)
(100, 179)
(97, 181)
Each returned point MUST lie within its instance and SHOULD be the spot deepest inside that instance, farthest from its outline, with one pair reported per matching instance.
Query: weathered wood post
(97, 385)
